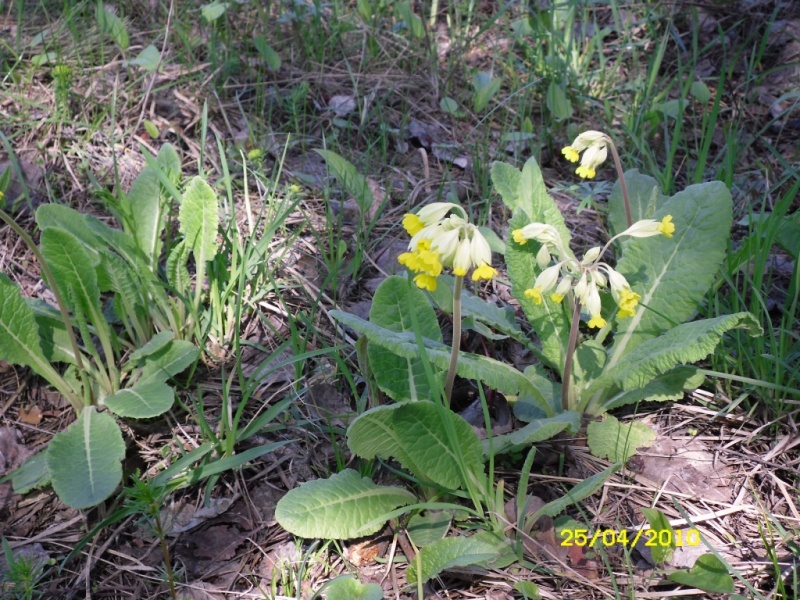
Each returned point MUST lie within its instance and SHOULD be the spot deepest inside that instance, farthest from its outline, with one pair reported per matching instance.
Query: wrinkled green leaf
(672, 275)
(32, 474)
(403, 378)
(415, 433)
(480, 549)
(687, 343)
(19, 334)
(148, 59)
(493, 373)
(617, 441)
(168, 362)
(339, 507)
(425, 528)
(537, 430)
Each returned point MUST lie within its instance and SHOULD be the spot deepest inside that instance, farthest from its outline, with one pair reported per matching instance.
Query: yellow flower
(597, 321)
(426, 282)
(593, 145)
(650, 227)
(484, 272)
(557, 298)
(412, 224)
(666, 226)
(570, 154)
(534, 294)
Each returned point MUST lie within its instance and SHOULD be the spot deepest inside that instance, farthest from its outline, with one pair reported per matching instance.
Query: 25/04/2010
(610, 537)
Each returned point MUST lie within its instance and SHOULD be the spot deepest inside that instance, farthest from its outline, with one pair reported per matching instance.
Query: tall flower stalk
(583, 280)
(440, 238)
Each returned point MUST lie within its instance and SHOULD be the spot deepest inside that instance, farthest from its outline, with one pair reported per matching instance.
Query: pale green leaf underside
(403, 377)
(338, 507)
(85, 461)
(73, 271)
(415, 433)
(199, 219)
(32, 474)
(142, 401)
(617, 441)
(669, 386)
(144, 204)
(493, 373)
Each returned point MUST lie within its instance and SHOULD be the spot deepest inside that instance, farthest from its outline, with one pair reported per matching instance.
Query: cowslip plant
(438, 449)
(119, 357)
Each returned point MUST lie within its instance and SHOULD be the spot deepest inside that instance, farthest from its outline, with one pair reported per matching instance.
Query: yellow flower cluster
(585, 278)
(593, 145)
(439, 240)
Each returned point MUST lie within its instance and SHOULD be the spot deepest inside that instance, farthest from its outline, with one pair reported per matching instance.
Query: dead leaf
(218, 542)
(31, 416)
(342, 105)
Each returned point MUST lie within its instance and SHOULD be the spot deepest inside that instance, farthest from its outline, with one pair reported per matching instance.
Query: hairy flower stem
(623, 186)
(566, 383)
(451, 372)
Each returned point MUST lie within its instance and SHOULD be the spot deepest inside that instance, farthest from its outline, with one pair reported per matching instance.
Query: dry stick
(451, 372)
(623, 186)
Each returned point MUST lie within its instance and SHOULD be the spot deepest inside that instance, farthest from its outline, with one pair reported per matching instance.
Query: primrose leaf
(168, 361)
(584, 489)
(537, 430)
(672, 275)
(19, 334)
(344, 506)
(147, 58)
(493, 373)
(63, 217)
(32, 474)
(353, 182)
(416, 434)
(144, 204)
(113, 26)
(199, 219)
(73, 269)
(480, 549)
(348, 587)
(669, 386)
(687, 343)
(85, 461)
(645, 197)
(708, 574)
(142, 401)
(661, 553)
(177, 271)
(403, 377)
(617, 441)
